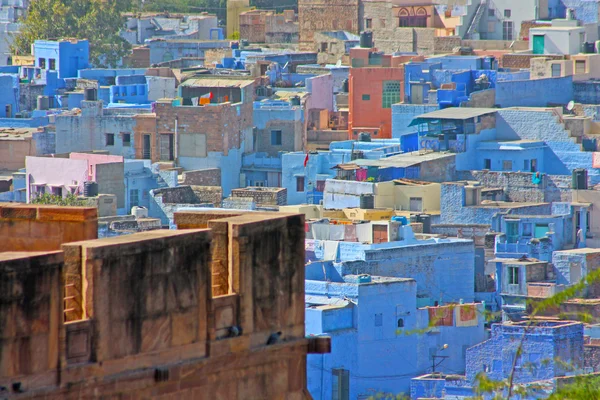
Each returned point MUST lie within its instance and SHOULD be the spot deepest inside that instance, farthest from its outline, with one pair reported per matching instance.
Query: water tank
(90, 94)
(90, 189)
(366, 40)
(364, 137)
(295, 100)
(345, 86)
(413, 219)
(579, 179)
(43, 102)
(425, 219)
(139, 212)
(401, 219)
(367, 201)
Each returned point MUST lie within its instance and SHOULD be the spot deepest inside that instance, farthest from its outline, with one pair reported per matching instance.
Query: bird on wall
(274, 338)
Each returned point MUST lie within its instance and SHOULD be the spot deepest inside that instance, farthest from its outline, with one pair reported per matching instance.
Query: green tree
(218, 7)
(99, 21)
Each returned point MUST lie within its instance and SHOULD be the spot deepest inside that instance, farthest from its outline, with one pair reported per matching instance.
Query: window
(52, 65)
(491, 12)
(127, 139)
(299, 184)
(513, 275)
(579, 66)
(57, 191)
(556, 70)
(416, 204)
(527, 230)
(340, 389)
(391, 93)
(42, 62)
(507, 165)
(324, 47)
(366, 97)
(534, 165)
(507, 30)
(379, 319)
(487, 163)
(134, 197)
(276, 138)
(40, 190)
(416, 19)
(110, 139)
(259, 183)
(320, 186)
(507, 13)
(400, 323)
(368, 23)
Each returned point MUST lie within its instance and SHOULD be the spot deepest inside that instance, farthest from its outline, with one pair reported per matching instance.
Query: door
(273, 179)
(416, 93)
(416, 204)
(146, 154)
(512, 232)
(166, 147)
(538, 44)
(380, 234)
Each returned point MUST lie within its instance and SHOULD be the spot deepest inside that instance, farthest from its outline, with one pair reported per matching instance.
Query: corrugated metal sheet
(455, 113)
(213, 82)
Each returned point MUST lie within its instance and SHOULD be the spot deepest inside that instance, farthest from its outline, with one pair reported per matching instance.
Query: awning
(452, 113)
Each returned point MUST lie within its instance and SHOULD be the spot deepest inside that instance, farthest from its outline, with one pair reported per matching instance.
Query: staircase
(476, 18)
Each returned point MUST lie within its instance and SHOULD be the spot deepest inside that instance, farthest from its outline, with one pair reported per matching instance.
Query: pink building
(63, 176)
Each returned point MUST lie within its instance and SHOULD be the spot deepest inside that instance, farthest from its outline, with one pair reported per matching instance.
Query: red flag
(208, 95)
(306, 160)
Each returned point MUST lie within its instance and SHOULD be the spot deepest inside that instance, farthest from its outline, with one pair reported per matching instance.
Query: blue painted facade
(370, 320)
(9, 95)
(167, 50)
(133, 94)
(534, 93)
(139, 181)
(543, 351)
(109, 76)
(69, 56)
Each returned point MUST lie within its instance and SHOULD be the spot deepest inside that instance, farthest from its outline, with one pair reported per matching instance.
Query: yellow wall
(234, 9)
(390, 195)
(310, 211)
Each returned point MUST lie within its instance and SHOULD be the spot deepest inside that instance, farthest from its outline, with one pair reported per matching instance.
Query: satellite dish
(571, 105)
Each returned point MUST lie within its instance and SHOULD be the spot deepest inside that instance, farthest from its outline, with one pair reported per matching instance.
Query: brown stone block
(17, 212)
(80, 214)
(184, 327)
(239, 344)
(156, 334)
(218, 348)
(41, 230)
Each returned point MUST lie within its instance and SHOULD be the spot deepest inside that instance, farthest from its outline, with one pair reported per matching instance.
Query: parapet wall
(44, 228)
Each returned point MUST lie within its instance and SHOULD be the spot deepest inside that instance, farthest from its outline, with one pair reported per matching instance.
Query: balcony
(543, 289)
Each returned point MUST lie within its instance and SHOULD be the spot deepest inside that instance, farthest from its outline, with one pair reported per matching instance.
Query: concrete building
(542, 352)
(10, 13)
(163, 50)
(264, 26)
(334, 46)
(139, 28)
(262, 196)
(376, 82)
(326, 15)
(370, 320)
(97, 128)
(196, 137)
(394, 252)
(205, 327)
(234, 9)
(563, 37)
(66, 57)
(63, 176)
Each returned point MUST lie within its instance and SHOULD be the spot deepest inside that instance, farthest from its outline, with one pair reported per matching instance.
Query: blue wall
(9, 94)
(135, 94)
(534, 93)
(70, 56)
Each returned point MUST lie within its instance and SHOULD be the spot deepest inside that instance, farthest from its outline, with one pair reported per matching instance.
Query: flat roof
(454, 113)
(519, 261)
(403, 160)
(217, 82)
(585, 250)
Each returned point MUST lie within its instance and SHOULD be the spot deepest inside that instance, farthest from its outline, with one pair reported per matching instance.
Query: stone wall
(44, 228)
(150, 325)
(263, 196)
(202, 177)
(518, 186)
(326, 15)
(110, 178)
(516, 60)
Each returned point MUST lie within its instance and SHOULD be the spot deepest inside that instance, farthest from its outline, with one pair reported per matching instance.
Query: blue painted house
(541, 352)
(66, 57)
